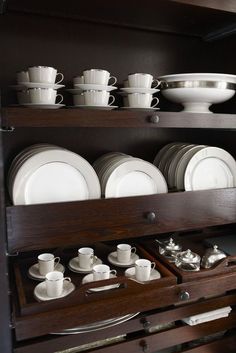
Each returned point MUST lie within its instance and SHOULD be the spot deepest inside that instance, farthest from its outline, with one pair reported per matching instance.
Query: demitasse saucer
(130, 273)
(89, 279)
(40, 85)
(96, 107)
(88, 86)
(74, 265)
(112, 258)
(33, 271)
(150, 109)
(40, 292)
(43, 106)
(138, 90)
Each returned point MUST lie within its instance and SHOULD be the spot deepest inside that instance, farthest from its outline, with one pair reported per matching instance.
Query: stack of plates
(122, 175)
(196, 167)
(44, 173)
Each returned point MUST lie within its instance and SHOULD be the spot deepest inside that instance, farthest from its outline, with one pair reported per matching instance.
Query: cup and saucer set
(92, 90)
(50, 273)
(138, 92)
(37, 88)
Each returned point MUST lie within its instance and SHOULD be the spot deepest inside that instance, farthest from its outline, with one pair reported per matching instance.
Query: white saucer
(141, 109)
(74, 265)
(112, 258)
(39, 85)
(130, 273)
(41, 294)
(97, 107)
(43, 106)
(33, 271)
(88, 86)
(139, 90)
(89, 279)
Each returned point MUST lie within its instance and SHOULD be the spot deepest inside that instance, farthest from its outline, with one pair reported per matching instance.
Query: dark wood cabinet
(159, 37)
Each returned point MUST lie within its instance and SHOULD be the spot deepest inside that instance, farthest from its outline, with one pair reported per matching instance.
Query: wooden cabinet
(159, 37)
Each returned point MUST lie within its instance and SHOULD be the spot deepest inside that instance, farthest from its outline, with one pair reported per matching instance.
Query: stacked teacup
(92, 90)
(37, 87)
(138, 92)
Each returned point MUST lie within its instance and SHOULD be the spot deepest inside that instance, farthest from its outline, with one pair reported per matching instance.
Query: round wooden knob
(154, 119)
(146, 324)
(184, 295)
(151, 216)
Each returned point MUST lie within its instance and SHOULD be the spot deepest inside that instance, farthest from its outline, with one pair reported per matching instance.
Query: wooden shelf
(21, 117)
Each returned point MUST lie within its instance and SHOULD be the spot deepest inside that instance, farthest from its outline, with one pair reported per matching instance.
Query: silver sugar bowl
(188, 261)
(169, 249)
(212, 256)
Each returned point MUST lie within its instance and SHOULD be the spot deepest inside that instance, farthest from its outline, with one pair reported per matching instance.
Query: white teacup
(23, 97)
(143, 269)
(22, 76)
(44, 96)
(142, 100)
(101, 272)
(142, 80)
(124, 252)
(78, 80)
(98, 77)
(47, 263)
(93, 97)
(78, 99)
(44, 74)
(54, 283)
(86, 257)
(126, 83)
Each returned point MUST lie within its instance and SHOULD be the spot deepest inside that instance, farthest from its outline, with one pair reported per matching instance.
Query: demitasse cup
(126, 83)
(78, 80)
(143, 269)
(22, 76)
(93, 97)
(124, 252)
(86, 257)
(142, 100)
(101, 272)
(47, 263)
(142, 80)
(44, 96)
(44, 74)
(23, 97)
(54, 283)
(78, 99)
(98, 77)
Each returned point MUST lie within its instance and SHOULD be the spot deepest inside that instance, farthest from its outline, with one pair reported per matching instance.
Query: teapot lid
(171, 245)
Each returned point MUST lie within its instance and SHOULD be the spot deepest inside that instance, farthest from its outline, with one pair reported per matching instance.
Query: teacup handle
(94, 258)
(114, 272)
(153, 265)
(56, 261)
(157, 82)
(133, 249)
(67, 279)
(157, 101)
(115, 80)
(113, 100)
(62, 77)
(59, 95)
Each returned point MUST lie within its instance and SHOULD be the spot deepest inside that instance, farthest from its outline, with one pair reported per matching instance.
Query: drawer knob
(146, 324)
(151, 216)
(154, 119)
(184, 295)
(144, 346)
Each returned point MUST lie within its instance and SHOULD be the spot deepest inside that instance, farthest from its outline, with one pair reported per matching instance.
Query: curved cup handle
(115, 80)
(67, 279)
(59, 95)
(157, 101)
(56, 261)
(62, 77)
(153, 265)
(133, 250)
(114, 272)
(156, 83)
(113, 100)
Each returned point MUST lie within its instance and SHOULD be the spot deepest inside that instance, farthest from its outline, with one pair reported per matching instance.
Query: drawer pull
(151, 216)
(184, 295)
(146, 324)
(154, 119)
(144, 346)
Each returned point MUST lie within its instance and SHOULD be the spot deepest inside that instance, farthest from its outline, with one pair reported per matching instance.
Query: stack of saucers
(138, 92)
(92, 90)
(37, 88)
(123, 175)
(44, 173)
(188, 167)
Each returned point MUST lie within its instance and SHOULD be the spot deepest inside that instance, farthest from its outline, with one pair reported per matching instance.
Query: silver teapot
(212, 256)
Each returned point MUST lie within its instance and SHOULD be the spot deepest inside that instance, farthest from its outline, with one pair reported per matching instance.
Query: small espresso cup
(44, 96)
(142, 100)
(143, 269)
(23, 97)
(78, 99)
(22, 76)
(101, 272)
(142, 80)
(54, 283)
(78, 80)
(44, 74)
(93, 97)
(124, 252)
(47, 263)
(126, 83)
(86, 258)
(98, 77)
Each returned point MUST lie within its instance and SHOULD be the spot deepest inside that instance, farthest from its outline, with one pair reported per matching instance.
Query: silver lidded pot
(188, 261)
(169, 249)
(212, 256)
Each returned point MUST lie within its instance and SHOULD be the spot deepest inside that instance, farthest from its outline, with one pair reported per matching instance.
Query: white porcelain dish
(74, 265)
(33, 271)
(204, 76)
(112, 258)
(40, 85)
(130, 273)
(40, 292)
(128, 90)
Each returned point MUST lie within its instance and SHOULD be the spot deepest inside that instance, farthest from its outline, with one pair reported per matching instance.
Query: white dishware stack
(138, 92)
(37, 88)
(122, 175)
(188, 167)
(92, 90)
(44, 173)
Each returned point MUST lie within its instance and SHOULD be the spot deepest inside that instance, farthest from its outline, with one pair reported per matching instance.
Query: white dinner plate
(161, 153)
(210, 168)
(130, 273)
(112, 258)
(87, 86)
(43, 106)
(168, 153)
(139, 90)
(89, 279)
(40, 292)
(40, 85)
(170, 157)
